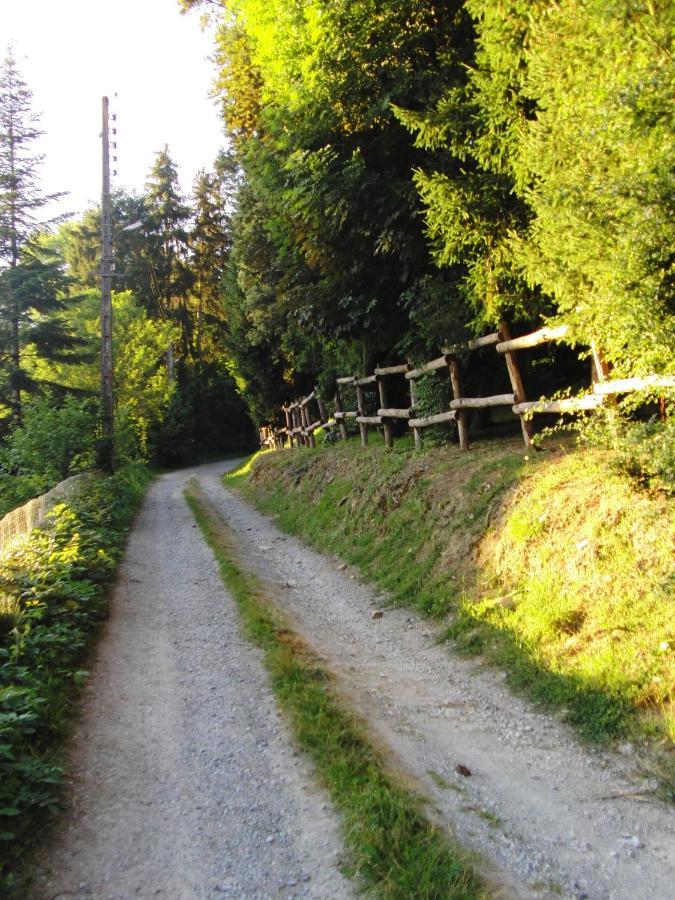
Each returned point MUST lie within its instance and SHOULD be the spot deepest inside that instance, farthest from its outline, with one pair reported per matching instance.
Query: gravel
(537, 805)
(185, 780)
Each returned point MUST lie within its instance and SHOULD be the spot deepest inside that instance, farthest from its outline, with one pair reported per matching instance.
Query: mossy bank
(553, 565)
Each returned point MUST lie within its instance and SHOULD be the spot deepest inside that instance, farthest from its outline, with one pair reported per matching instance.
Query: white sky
(73, 52)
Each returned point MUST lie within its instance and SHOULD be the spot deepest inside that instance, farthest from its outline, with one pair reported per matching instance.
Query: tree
(166, 248)
(32, 282)
(142, 388)
(596, 166)
(331, 261)
(553, 189)
(472, 210)
(210, 244)
(20, 195)
(80, 244)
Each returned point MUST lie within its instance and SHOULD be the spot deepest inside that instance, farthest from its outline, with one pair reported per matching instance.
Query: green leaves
(58, 576)
(328, 248)
(554, 183)
(595, 166)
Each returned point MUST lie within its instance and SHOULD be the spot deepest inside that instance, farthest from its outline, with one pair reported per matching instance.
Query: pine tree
(32, 282)
(210, 241)
(167, 247)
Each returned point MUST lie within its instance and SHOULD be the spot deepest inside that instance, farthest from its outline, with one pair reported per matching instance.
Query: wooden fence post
(462, 425)
(363, 428)
(297, 423)
(322, 408)
(339, 408)
(289, 425)
(386, 424)
(516, 382)
(600, 368)
(309, 434)
(413, 402)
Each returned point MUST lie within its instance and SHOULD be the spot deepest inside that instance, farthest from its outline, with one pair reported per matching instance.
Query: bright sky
(73, 52)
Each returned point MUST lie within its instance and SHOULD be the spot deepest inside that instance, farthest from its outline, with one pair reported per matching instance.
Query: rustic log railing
(301, 423)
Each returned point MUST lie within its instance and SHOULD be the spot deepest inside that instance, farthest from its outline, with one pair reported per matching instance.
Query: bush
(53, 590)
(645, 450)
(53, 442)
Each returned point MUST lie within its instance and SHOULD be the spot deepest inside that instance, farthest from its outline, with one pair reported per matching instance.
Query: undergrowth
(52, 599)
(552, 565)
(396, 851)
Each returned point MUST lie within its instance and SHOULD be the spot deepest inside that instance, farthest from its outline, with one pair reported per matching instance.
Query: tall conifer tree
(210, 241)
(167, 246)
(32, 282)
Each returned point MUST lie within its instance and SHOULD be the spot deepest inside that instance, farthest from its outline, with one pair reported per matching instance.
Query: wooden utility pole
(108, 445)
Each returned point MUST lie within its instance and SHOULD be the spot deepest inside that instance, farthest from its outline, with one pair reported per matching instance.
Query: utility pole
(108, 444)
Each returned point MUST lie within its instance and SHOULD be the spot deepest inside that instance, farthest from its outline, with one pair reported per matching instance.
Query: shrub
(53, 442)
(54, 593)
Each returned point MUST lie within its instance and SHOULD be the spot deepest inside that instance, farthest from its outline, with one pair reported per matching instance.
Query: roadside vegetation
(53, 598)
(555, 565)
(395, 850)
(411, 172)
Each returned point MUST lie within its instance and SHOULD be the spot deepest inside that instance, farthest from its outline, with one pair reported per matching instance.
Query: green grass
(551, 565)
(395, 851)
(390, 514)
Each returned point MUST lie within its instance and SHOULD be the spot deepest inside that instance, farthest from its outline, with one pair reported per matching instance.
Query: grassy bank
(53, 596)
(550, 564)
(396, 852)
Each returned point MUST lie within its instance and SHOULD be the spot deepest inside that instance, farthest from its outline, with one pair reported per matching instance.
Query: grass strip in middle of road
(396, 850)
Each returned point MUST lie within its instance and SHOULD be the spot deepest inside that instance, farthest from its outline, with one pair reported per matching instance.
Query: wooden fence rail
(301, 423)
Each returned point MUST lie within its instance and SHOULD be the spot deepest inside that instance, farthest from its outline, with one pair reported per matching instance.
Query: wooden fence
(305, 416)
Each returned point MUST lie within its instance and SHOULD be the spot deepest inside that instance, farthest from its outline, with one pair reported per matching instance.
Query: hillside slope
(553, 565)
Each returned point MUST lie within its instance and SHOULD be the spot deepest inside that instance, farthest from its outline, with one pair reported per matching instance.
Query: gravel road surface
(185, 780)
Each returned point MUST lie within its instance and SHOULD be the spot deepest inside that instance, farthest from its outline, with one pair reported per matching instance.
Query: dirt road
(187, 785)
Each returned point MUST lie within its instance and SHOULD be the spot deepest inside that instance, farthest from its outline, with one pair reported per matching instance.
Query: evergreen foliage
(564, 202)
(329, 263)
(166, 243)
(20, 196)
(210, 244)
(32, 283)
(415, 171)
(596, 166)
